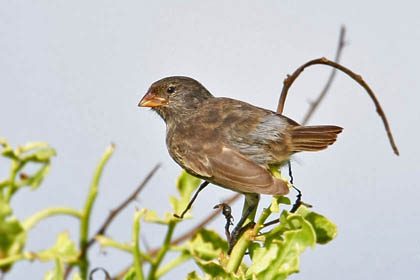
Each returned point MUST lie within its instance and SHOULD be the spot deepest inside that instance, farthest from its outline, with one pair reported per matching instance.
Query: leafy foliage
(274, 253)
(206, 245)
(12, 234)
(64, 250)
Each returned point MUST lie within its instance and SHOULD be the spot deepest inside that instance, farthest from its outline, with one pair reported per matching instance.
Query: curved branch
(315, 104)
(290, 79)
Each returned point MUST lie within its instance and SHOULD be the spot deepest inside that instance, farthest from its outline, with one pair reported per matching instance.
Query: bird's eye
(171, 90)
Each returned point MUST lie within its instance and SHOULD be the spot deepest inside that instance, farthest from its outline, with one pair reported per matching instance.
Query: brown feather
(313, 138)
(233, 171)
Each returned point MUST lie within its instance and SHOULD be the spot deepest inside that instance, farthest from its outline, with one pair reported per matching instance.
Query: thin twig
(273, 222)
(199, 226)
(186, 235)
(121, 207)
(113, 214)
(107, 276)
(315, 104)
(309, 114)
(290, 79)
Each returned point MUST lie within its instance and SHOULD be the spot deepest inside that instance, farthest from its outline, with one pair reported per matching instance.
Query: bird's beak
(151, 100)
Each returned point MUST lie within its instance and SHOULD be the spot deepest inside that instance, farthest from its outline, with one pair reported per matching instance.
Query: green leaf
(325, 229)
(207, 249)
(194, 276)
(186, 185)
(284, 200)
(32, 146)
(5, 210)
(45, 154)
(276, 200)
(152, 217)
(207, 245)
(213, 269)
(35, 180)
(39, 176)
(12, 234)
(280, 255)
(40, 155)
(64, 250)
(12, 237)
(57, 273)
(9, 153)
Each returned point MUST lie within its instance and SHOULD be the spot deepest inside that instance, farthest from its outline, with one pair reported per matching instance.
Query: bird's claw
(227, 212)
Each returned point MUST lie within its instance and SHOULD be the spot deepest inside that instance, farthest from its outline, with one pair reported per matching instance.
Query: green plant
(13, 232)
(274, 253)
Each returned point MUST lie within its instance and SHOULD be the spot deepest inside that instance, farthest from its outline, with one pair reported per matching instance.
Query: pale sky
(72, 73)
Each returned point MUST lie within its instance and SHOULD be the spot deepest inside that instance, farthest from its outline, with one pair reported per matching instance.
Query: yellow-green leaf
(207, 245)
(325, 229)
(64, 249)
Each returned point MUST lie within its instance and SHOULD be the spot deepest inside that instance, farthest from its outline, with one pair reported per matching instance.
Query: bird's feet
(298, 201)
(233, 237)
(227, 212)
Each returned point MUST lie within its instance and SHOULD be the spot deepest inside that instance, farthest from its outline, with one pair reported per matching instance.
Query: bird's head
(174, 96)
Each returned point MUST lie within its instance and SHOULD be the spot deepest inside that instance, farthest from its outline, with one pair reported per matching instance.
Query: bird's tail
(313, 138)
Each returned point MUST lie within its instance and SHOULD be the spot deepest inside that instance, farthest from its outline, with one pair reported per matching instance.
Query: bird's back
(261, 135)
(254, 132)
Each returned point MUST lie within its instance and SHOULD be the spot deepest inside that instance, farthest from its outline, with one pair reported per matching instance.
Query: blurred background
(73, 72)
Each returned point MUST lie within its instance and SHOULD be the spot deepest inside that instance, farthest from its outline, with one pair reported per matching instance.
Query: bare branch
(121, 207)
(315, 104)
(290, 79)
(113, 214)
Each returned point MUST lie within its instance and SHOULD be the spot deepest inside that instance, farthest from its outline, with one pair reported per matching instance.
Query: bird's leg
(227, 212)
(289, 164)
(298, 201)
(248, 215)
(200, 188)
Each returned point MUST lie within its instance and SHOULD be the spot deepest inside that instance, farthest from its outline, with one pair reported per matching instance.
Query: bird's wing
(234, 171)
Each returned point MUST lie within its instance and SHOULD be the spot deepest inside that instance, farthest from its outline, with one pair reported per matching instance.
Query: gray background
(72, 73)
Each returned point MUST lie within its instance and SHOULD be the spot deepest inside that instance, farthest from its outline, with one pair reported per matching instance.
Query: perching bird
(228, 142)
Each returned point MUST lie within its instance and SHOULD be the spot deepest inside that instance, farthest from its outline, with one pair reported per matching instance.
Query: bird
(228, 142)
